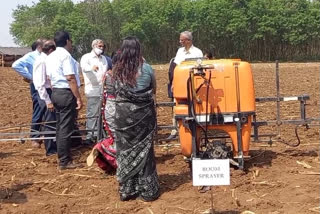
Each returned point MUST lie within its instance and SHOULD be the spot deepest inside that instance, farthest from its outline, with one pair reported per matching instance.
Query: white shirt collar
(43, 54)
(63, 50)
(94, 55)
(187, 51)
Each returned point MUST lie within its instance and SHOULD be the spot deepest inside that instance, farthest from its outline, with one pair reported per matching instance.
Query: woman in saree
(135, 124)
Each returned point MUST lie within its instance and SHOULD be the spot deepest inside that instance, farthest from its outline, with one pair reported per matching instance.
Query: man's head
(34, 46)
(98, 46)
(48, 47)
(62, 39)
(186, 39)
(37, 45)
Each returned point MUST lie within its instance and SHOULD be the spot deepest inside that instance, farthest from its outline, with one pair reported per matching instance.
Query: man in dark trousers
(63, 72)
(43, 86)
(24, 67)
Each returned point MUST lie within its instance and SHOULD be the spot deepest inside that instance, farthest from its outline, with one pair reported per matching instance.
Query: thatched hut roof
(14, 50)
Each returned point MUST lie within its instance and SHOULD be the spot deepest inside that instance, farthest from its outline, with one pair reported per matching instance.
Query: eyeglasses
(183, 40)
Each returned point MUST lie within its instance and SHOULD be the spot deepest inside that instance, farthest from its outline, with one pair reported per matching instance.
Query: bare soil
(278, 178)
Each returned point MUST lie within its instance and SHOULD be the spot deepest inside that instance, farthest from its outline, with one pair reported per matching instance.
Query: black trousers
(38, 112)
(65, 105)
(49, 117)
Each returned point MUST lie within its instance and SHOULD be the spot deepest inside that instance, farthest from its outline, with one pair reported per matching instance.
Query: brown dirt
(273, 183)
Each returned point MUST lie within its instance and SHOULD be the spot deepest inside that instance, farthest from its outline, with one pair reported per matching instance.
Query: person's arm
(20, 66)
(86, 66)
(200, 53)
(153, 81)
(39, 81)
(179, 57)
(172, 66)
(70, 72)
(74, 88)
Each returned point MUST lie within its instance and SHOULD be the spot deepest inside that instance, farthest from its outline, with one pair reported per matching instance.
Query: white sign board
(213, 172)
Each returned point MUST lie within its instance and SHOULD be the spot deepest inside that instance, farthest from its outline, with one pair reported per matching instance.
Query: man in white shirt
(64, 77)
(42, 85)
(187, 51)
(94, 66)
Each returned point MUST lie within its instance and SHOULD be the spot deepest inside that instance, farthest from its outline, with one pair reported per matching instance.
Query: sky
(6, 10)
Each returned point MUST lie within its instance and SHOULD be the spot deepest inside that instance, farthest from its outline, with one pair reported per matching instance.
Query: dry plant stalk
(304, 164)
(33, 163)
(263, 183)
(79, 175)
(150, 211)
(309, 173)
(46, 181)
(62, 194)
(315, 209)
(65, 191)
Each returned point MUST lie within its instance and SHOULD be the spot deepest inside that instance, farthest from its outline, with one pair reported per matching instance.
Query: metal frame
(303, 121)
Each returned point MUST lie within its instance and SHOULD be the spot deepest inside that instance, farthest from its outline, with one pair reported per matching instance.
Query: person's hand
(95, 68)
(79, 104)
(26, 80)
(50, 107)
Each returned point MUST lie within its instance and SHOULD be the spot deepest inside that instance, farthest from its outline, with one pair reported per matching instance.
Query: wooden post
(2, 60)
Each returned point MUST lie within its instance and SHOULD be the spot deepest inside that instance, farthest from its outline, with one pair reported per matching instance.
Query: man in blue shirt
(109, 61)
(24, 67)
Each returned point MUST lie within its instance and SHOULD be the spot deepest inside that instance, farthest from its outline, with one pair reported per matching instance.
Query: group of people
(130, 87)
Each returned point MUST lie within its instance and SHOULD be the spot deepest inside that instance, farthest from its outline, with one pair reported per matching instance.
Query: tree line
(253, 30)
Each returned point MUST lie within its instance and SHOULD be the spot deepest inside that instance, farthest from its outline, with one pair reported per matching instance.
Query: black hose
(207, 99)
(191, 103)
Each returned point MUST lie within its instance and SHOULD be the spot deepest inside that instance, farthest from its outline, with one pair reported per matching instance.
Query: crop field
(278, 178)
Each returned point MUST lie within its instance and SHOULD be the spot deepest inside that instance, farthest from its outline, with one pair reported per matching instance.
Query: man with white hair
(94, 66)
(187, 51)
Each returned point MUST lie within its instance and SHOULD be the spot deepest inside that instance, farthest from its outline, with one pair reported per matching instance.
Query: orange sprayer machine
(218, 96)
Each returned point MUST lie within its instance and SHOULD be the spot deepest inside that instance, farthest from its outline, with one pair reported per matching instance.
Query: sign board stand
(210, 172)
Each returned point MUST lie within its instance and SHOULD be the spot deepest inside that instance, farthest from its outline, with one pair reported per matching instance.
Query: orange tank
(231, 98)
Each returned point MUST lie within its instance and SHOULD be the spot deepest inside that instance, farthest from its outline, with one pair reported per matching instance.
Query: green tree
(249, 29)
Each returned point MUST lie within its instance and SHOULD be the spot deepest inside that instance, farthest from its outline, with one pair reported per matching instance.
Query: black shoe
(148, 199)
(76, 142)
(129, 197)
(51, 153)
(70, 165)
(88, 143)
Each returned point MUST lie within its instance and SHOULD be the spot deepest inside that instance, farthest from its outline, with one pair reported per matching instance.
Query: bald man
(43, 86)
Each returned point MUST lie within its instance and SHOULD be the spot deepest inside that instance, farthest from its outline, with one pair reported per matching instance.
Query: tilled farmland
(278, 178)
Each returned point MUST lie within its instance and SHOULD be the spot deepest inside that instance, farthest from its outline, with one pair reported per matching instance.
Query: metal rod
(236, 68)
(33, 138)
(40, 133)
(238, 120)
(303, 109)
(278, 97)
(255, 129)
(41, 123)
